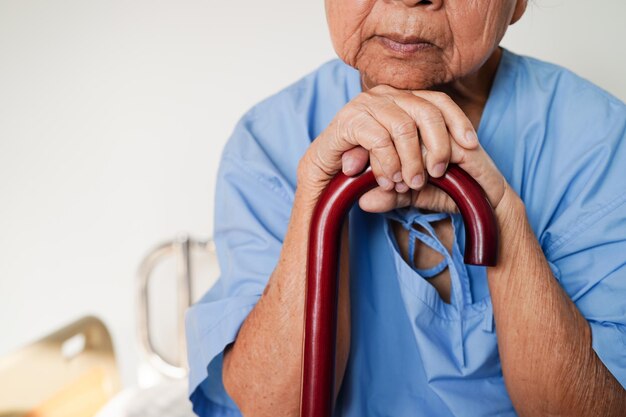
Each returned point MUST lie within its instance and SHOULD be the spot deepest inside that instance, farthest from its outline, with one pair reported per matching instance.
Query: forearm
(262, 369)
(548, 362)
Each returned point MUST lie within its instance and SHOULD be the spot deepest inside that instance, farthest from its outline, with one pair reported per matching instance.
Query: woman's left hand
(475, 162)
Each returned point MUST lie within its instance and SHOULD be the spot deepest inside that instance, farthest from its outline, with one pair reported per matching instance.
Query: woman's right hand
(406, 135)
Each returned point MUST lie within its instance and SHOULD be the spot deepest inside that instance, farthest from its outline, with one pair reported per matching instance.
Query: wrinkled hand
(406, 136)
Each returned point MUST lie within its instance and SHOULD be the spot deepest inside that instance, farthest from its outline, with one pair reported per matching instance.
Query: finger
(460, 127)
(403, 131)
(378, 200)
(458, 154)
(401, 187)
(377, 167)
(364, 130)
(432, 198)
(432, 130)
(354, 160)
(479, 165)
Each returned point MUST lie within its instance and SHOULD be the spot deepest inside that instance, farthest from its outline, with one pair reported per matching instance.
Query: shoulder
(299, 107)
(578, 119)
(330, 82)
(279, 129)
(564, 96)
(566, 149)
(562, 79)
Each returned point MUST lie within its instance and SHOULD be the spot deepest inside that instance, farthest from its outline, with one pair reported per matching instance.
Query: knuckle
(441, 96)
(380, 142)
(385, 160)
(365, 97)
(319, 159)
(439, 149)
(439, 152)
(362, 113)
(354, 109)
(354, 127)
(383, 89)
(404, 130)
(389, 159)
(430, 114)
(438, 97)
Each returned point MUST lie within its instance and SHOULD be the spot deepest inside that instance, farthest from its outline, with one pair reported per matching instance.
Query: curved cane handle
(320, 326)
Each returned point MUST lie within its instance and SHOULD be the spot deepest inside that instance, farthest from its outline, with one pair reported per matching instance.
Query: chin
(422, 71)
(404, 77)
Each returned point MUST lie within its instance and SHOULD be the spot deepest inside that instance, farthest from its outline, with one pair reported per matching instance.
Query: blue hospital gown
(559, 141)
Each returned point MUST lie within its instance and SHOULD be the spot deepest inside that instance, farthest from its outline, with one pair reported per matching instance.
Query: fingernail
(438, 169)
(417, 181)
(402, 187)
(349, 165)
(471, 137)
(385, 183)
(397, 177)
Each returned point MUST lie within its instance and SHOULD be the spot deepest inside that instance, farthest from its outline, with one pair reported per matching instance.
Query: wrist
(311, 180)
(510, 209)
(513, 229)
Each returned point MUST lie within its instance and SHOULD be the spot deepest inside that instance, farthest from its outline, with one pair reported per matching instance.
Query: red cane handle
(320, 324)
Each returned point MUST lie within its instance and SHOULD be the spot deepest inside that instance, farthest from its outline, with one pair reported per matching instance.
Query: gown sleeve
(252, 207)
(591, 267)
(579, 187)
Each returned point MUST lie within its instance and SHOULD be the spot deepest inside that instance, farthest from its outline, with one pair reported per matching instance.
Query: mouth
(404, 45)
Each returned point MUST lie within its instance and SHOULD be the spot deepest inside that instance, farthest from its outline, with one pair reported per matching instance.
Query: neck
(471, 92)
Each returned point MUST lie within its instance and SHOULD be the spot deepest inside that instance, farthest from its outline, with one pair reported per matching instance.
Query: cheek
(346, 21)
(477, 31)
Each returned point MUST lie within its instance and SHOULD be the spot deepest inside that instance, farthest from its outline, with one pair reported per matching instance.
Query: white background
(113, 115)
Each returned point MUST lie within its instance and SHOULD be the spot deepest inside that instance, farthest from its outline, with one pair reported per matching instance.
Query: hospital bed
(73, 372)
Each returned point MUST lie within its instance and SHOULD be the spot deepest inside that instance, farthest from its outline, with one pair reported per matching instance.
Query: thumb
(477, 163)
(354, 160)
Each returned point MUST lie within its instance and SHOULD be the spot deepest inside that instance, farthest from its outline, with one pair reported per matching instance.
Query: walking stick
(320, 323)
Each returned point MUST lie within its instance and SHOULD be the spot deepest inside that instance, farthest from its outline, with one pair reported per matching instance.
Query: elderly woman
(419, 85)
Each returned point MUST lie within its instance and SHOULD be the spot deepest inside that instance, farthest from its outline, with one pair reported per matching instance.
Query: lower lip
(405, 48)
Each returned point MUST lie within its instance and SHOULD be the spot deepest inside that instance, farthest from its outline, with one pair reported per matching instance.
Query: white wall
(113, 115)
(586, 36)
